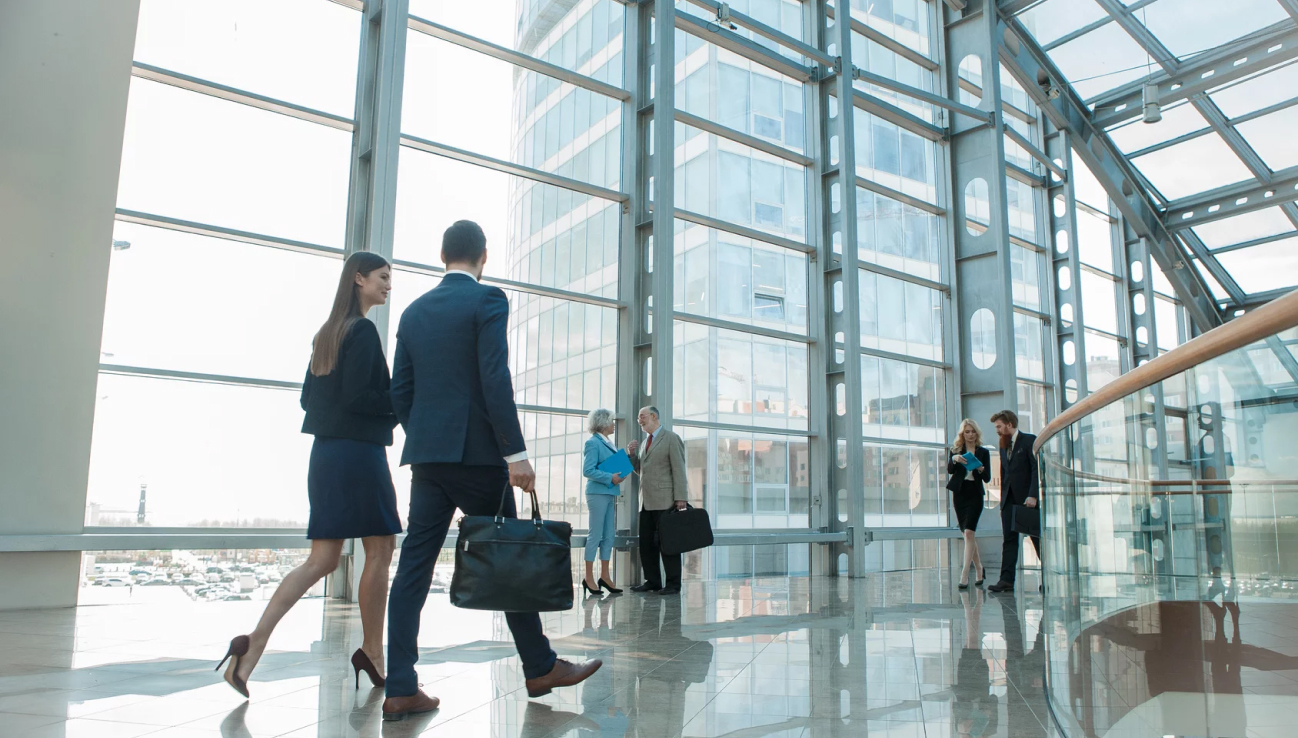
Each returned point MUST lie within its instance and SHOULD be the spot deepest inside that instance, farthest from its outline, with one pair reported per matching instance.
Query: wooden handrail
(1275, 316)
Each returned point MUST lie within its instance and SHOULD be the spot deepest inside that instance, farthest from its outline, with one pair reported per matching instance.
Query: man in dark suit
(1019, 486)
(452, 392)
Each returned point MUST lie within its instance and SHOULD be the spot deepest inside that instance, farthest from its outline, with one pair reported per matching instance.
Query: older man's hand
(522, 476)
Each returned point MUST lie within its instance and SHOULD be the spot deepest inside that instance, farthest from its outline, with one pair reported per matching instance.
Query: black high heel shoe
(589, 591)
(605, 585)
(362, 662)
(237, 650)
(982, 577)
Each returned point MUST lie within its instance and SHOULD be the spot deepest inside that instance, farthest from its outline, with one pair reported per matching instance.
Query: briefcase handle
(509, 490)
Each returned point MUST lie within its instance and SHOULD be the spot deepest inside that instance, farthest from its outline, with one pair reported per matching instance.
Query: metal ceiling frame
(1190, 80)
(1057, 99)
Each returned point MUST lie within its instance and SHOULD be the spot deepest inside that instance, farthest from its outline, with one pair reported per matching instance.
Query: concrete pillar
(65, 68)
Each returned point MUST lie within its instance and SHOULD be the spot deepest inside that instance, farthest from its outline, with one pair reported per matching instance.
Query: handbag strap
(509, 490)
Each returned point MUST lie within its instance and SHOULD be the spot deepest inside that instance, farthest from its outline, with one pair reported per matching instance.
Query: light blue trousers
(602, 526)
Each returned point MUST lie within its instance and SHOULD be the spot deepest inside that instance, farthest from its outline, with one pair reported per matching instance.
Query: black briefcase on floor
(513, 564)
(684, 530)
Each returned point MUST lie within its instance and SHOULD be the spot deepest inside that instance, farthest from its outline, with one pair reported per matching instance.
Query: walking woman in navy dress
(349, 411)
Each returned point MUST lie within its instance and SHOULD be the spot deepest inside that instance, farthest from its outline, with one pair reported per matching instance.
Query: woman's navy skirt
(350, 488)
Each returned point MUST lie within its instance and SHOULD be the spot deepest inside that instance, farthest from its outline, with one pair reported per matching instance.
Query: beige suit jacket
(662, 471)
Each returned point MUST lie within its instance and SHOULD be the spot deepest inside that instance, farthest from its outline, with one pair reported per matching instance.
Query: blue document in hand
(974, 463)
(618, 463)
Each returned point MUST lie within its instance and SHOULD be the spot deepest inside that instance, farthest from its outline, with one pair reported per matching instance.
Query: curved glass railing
(1170, 532)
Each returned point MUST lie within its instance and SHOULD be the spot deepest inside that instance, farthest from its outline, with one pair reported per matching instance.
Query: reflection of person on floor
(1024, 669)
(661, 693)
(606, 719)
(975, 710)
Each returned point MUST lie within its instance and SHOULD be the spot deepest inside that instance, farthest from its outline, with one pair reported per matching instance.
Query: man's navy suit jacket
(451, 387)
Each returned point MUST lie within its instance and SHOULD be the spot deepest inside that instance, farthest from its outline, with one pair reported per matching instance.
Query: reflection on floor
(1189, 668)
(902, 655)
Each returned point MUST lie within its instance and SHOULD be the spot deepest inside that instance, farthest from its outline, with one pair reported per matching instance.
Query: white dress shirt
(521, 455)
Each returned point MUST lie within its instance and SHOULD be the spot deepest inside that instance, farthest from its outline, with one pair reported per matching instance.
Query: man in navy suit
(452, 392)
(1019, 486)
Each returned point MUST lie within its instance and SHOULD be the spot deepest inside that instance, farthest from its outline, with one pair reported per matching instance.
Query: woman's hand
(617, 478)
(960, 459)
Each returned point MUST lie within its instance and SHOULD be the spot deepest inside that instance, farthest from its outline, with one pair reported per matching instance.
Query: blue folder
(618, 463)
(974, 463)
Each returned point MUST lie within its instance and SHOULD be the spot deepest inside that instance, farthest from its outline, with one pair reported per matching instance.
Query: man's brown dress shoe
(397, 708)
(564, 674)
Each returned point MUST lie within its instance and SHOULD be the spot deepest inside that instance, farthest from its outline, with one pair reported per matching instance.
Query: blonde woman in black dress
(971, 494)
(349, 411)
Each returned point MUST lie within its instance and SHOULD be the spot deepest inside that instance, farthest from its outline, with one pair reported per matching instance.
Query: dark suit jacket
(1019, 472)
(982, 474)
(451, 387)
(352, 400)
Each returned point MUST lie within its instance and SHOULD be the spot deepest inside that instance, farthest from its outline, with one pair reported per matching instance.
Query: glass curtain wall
(231, 214)
(513, 114)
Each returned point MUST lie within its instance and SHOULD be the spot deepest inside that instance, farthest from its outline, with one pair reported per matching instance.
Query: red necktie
(648, 443)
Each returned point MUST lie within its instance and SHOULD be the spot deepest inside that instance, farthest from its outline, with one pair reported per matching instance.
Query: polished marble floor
(903, 655)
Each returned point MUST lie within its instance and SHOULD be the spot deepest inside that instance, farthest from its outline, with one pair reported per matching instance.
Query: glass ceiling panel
(1189, 26)
(1198, 165)
(1272, 137)
(1241, 228)
(1101, 60)
(1054, 19)
(1218, 292)
(1270, 266)
(1258, 92)
(1177, 121)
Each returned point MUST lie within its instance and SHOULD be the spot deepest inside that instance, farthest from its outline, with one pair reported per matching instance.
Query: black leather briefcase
(684, 530)
(1026, 520)
(513, 564)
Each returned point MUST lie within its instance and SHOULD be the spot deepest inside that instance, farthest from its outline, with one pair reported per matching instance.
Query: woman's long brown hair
(346, 311)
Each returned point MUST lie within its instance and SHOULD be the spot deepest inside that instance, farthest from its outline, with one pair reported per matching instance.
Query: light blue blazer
(598, 482)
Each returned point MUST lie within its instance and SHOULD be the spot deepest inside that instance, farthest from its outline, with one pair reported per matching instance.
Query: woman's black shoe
(981, 578)
(611, 589)
(589, 591)
(962, 585)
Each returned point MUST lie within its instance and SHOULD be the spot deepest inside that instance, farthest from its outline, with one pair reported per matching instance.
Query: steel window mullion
(761, 29)
(752, 330)
(225, 234)
(1035, 152)
(870, 266)
(509, 284)
(881, 108)
(1023, 175)
(1255, 242)
(200, 377)
(903, 442)
(738, 428)
(726, 39)
(550, 410)
(921, 95)
(242, 97)
(896, 47)
(904, 358)
(516, 58)
(518, 170)
(890, 193)
(1152, 148)
(731, 134)
(725, 225)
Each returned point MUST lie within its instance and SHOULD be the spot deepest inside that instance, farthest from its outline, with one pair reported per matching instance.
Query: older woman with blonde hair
(601, 500)
(967, 491)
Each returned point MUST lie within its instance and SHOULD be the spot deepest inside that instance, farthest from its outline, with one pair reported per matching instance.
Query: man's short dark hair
(1008, 417)
(463, 243)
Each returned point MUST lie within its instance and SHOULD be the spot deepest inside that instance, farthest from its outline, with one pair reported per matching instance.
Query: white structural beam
(1236, 199)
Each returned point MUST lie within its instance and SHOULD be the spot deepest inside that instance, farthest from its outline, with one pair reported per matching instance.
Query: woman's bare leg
(969, 548)
(604, 571)
(373, 594)
(972, 544)
(590, 575)
(322, 561)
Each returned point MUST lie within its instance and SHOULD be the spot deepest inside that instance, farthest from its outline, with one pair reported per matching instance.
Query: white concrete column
(65, 68)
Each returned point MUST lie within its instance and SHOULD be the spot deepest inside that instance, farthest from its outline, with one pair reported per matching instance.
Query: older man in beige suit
(661, 466)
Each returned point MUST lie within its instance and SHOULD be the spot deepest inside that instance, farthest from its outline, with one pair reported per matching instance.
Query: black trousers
(436, 491)
(1010, 548)
(650, 553)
